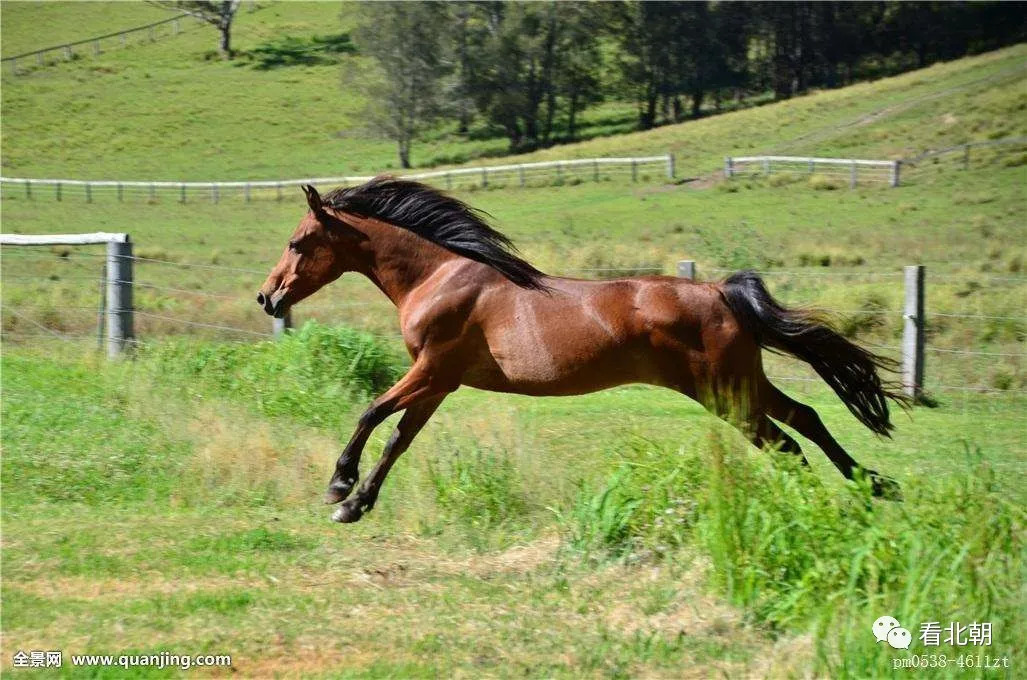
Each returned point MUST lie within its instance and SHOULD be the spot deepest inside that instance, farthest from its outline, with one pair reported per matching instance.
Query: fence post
(89, 192)
(96, 47)
(153, 193)
(484, 177)
(686, 269)
(175, 27)
(279, 189)
(895, 165)
(14, 66)
(913, 332)
(121, 192)
(559, 171)
(670, 166)
(812, 166)
(449, 180)
(520, 172)
(214, 193)
(966, 156)
(182, 193)
(634, 170)
(58, 190)
(766, 166)
(279, 326)
(247, 192)
(119, 296)
(28, 189)
(852, 177)
(729, 167)
(595, 171)
(67, 52)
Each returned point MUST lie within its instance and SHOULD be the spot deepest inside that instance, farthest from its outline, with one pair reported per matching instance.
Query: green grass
(225, 534)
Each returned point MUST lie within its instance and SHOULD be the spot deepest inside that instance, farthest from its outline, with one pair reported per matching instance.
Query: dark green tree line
(530, 69)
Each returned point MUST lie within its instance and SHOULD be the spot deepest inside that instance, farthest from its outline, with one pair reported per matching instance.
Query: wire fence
(164, 309)
(20, 64)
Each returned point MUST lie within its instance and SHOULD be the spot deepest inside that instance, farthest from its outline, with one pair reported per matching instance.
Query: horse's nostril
(260, 299)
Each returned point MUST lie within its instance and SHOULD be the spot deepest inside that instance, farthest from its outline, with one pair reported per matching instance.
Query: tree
(218, 13)
(406, 41)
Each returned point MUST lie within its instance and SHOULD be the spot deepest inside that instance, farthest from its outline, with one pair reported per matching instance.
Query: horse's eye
(294, 246)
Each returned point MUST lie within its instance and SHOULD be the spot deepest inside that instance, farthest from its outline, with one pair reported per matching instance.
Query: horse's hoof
(347, 513)
(885, 487)
(338, 491)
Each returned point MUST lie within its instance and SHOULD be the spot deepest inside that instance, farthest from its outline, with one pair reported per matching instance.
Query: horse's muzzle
(274, 305)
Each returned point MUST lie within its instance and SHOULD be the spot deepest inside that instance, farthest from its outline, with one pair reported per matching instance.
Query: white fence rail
(855, 169)
(518, 174)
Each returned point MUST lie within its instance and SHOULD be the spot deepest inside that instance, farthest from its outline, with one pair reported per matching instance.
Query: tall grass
(312, 375)
(801, 557)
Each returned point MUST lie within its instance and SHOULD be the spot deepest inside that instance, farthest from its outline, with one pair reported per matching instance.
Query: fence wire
(145, 309)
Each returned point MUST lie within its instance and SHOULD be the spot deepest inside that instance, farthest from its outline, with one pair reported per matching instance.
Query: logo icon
(899, 638)
(883, 626)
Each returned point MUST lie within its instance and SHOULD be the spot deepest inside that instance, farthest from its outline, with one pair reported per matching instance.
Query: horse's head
(314, 257)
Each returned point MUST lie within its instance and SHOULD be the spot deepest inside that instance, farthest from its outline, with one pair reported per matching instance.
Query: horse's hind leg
(806, 421)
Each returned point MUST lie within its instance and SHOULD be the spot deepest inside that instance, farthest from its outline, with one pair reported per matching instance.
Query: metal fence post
(634, 170)
(247, 192)
(670, 166)
(57, 189)
(520, 172)
(852, 177)
(214, 193)
(913, 332)
(595, 171)
(119, 296)
(280, 326)
(89, 192)
(895, 169)
(28, 189)
(686, 269)
(766, 166)
(729, 167)
(121, 192)
(484, 177)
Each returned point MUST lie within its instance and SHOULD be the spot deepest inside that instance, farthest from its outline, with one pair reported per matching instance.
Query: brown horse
(473, 313)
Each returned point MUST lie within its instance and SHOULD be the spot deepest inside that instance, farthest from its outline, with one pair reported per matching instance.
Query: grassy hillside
(176, 498)
(167, 111)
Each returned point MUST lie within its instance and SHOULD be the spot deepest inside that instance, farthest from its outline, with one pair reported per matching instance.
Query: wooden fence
(519, 174)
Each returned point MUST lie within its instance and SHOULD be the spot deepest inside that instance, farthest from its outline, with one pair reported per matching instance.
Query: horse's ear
(313, 199)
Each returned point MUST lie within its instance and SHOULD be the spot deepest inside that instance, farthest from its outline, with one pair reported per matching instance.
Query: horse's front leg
(417, 385)
(409, 425)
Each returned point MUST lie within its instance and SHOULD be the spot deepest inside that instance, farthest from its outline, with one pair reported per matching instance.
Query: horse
(473, 312)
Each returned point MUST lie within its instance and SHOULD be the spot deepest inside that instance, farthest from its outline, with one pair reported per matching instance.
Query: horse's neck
(396, 260)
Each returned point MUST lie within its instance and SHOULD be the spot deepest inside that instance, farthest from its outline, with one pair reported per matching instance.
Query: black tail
(850, 370)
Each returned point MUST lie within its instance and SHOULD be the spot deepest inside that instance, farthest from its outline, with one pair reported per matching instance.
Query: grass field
(171, 503)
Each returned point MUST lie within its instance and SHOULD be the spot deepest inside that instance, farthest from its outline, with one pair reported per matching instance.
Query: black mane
(439, 218)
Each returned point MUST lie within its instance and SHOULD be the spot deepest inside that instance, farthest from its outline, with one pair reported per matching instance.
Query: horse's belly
(538, 370)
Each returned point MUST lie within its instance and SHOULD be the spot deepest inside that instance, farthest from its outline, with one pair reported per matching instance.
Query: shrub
(825, 183)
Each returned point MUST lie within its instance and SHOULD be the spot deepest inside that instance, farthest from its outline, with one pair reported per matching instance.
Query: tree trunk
(225, 45)
(404, 154)
(572, 114)
(697, 97)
